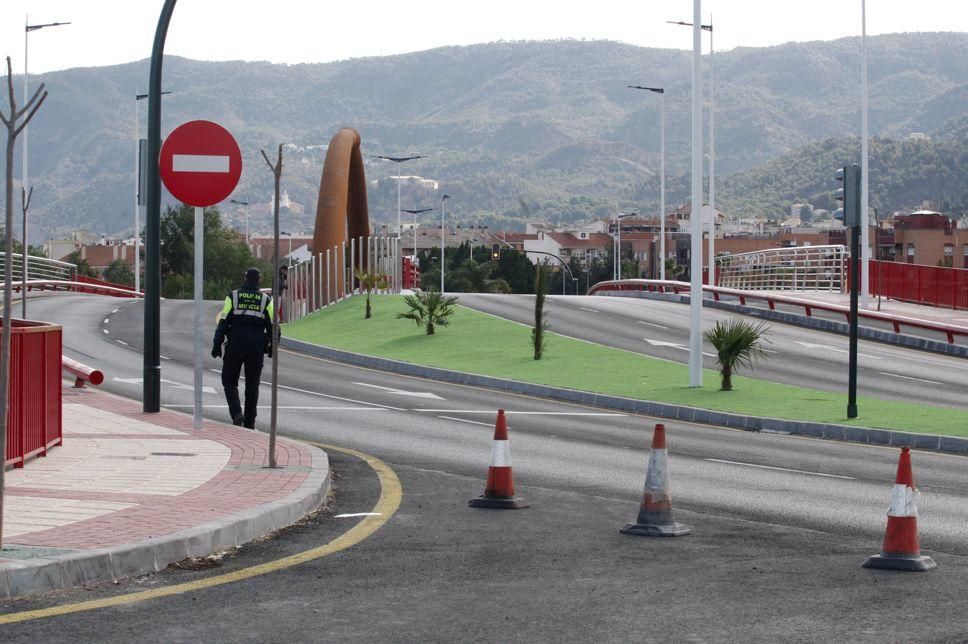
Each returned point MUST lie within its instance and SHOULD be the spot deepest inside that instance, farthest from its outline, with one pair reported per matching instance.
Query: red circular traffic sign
(200, 163)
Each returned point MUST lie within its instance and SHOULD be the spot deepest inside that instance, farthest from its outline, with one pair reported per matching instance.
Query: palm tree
(429, 309)
(540, 323)
(737, 342)
(369, 282)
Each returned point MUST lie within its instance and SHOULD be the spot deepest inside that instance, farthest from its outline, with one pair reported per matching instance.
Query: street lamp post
(443, 201)
(415, 213)
(399, 216)
(712, 149)
(245, 211)
(618, 254)
(139, 196)
(24, 176)
(662, 214)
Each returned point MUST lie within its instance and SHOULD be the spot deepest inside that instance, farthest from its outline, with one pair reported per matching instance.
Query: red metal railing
(34, 411)
(951, 331)
(81, 372)
(933, 285)
(77, 287)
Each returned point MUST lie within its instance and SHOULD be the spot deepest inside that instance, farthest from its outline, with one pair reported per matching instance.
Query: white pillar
(865, 249)
(662, 206)
(695, 289)
(712, 164)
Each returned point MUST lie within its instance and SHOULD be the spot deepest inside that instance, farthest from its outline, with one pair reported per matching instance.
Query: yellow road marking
(391, 493)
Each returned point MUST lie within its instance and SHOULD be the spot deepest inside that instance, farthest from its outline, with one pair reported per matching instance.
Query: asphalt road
(796, 355)
(781, 524)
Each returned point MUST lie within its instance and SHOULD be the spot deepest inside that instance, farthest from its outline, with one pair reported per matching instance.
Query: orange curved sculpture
(341, 212)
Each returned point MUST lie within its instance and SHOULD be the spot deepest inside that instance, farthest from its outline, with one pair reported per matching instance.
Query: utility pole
(276, 331)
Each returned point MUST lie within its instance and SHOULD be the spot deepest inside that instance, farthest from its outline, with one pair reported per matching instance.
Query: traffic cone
(901, 550)
(655, 515)
(499, 489)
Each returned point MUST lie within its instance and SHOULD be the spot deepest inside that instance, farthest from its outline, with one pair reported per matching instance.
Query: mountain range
(519, 131)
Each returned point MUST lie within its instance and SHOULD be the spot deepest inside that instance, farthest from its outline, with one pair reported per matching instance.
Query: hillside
(520, 130)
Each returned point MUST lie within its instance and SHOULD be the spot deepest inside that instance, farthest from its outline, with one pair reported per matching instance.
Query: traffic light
(849, 195)
(495, 251)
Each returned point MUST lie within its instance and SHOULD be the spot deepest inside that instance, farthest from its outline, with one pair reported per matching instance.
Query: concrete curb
(821, 324)
(81, 567)
(871, 436)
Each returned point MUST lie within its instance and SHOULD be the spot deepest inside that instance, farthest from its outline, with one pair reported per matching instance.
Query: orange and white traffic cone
(499, 489)
(655, 515)
(901, 549)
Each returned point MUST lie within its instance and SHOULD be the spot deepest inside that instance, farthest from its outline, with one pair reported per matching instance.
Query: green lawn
(482, 344)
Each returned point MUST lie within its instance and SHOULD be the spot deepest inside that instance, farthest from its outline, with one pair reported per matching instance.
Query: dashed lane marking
(781, 469)
(464, 420)
(897, 375)
(658, 326)
(391, 493)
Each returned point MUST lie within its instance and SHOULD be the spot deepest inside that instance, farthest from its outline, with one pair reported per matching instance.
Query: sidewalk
(130, 493)
(924, 312)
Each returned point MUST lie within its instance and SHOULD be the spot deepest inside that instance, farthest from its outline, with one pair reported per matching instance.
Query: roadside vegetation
(371, 281)
(429, 309)
(738, 343)
(482, 344)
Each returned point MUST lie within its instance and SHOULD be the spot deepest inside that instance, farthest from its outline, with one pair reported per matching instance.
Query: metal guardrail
(898, 322)
(40, 268)
(797, 268)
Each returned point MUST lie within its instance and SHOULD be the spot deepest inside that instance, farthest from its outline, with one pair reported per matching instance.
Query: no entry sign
(200, 163)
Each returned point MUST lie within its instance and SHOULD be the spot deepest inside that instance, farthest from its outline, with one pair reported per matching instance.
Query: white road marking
(106, 320)
(658, 326)
(115, 310)
(464, 420)
(520, 413)
(122, 342)
(589, 310)
(811, 345)
(316, 393)
(358, 514)
(897, 375)
(781, 469)
(663, 343)
(401, 392)
(287, 407)
(171, 383)
(106, 331)
(199, 163)
(164, 357)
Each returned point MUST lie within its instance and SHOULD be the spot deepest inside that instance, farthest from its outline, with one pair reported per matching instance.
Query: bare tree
(276, 332)
(15, 122)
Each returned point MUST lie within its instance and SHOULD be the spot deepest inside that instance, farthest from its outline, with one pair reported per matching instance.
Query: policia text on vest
(246, 320)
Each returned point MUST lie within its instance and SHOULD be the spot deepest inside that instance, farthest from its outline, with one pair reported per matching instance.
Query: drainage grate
(173, 454)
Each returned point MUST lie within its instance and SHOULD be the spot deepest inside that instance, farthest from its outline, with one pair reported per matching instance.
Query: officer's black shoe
(249, 424)
(237, 420)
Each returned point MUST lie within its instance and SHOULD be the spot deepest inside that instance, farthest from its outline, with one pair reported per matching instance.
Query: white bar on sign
(199, 163)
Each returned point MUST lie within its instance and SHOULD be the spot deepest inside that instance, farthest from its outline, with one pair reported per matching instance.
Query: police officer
(246, 320)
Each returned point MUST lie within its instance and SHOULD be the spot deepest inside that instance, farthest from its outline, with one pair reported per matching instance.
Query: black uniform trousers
(232, 365)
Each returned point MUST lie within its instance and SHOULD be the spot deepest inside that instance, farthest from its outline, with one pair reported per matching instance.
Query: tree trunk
(7, 306)
(727, 373)
(367, 305)
(430, 328)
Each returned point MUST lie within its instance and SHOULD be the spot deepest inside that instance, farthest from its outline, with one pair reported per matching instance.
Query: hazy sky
(106, 32)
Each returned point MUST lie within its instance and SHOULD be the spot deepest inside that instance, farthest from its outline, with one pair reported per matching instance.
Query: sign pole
(199, 286)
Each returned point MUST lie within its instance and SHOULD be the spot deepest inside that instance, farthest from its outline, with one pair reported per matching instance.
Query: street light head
(49, 24)
(445, 197)
(401, 159)
(657, 90)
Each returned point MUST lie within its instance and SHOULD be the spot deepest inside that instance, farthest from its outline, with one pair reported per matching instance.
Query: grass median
(479, 343)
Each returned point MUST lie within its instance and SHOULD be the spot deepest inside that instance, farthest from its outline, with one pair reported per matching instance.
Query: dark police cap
(253, 275)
